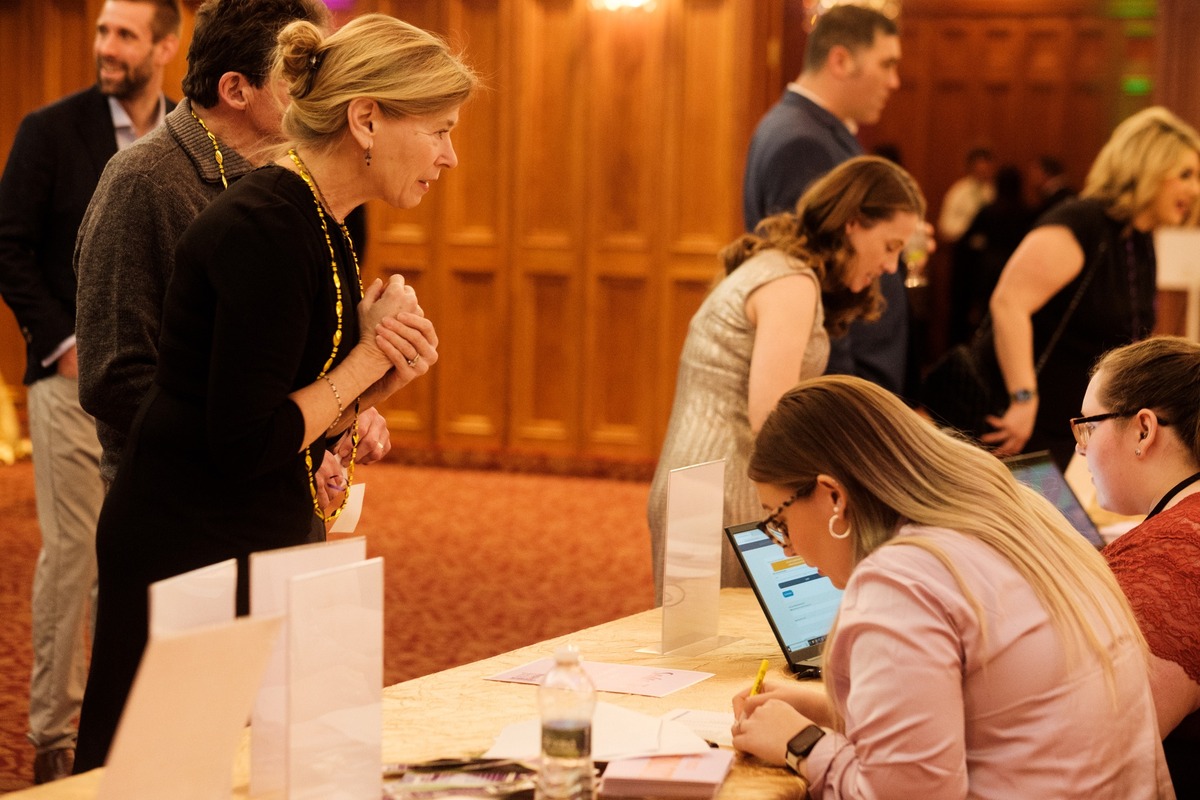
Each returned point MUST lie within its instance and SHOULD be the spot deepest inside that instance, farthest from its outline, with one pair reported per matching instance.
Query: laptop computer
(1039, 472)
(799, 603)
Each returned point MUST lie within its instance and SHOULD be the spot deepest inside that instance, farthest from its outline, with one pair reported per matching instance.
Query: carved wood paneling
(1178, 58)
(625, 187)
(600, 172)
(548, 194)
(472, 293)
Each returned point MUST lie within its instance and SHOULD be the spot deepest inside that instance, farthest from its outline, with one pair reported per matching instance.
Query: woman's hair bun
(298, 55)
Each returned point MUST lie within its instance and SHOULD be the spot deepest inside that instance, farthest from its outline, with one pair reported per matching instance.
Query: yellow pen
(758, 679)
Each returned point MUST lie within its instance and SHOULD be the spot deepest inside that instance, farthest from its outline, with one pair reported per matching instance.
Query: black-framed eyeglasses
(774, 526)
(1082, 426)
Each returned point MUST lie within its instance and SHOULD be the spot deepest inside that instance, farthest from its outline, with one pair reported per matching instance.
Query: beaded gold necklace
(337, 339)
(216, 149)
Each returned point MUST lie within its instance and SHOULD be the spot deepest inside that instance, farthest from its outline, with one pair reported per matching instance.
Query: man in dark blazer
(55, 162)
(850, 70)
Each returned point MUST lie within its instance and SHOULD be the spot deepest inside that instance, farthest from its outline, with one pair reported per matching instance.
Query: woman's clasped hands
(395, 328)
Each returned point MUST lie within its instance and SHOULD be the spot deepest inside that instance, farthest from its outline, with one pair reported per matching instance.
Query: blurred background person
(1089, 261)
(979, 256)
(1140, 434)
(982, 649)
(1048, 182)
(967, 195)
(270, 348)
(790, 286)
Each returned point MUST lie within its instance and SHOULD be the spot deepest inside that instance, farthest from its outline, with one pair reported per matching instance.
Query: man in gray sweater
(125, 252)
(146, 198)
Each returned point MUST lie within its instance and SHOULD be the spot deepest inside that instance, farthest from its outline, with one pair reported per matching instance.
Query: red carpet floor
(476, 563)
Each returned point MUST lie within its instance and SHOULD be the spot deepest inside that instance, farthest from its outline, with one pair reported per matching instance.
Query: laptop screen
(1040, 473)
(799, 603)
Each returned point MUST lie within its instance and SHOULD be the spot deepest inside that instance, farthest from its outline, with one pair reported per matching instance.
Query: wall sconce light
(623, 5)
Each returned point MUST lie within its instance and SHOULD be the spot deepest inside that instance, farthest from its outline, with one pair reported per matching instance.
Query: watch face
(803, 742)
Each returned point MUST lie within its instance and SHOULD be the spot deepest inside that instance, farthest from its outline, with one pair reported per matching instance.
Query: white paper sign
(347, 521)
(335, 687)
(692, 566)
(203, 596)
(270, 574)
(184, 718)
(621, 678)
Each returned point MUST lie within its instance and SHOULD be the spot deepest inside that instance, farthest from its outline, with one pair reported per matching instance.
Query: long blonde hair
(407, 71)
(896, 469)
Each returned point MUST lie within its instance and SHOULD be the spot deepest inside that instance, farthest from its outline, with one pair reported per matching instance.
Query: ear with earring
(1138, 451)
(833, 520)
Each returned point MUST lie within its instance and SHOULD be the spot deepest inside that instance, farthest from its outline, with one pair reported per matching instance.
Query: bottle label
(566, 741)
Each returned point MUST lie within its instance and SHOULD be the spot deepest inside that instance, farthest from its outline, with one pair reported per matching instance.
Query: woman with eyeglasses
(799, 279)
(982, 648)
(1140, 434)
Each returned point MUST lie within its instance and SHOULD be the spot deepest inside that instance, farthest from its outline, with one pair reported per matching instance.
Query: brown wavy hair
(867, 189)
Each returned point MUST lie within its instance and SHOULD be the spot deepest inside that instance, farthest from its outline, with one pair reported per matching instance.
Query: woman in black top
(1089, 261)
(263, 358)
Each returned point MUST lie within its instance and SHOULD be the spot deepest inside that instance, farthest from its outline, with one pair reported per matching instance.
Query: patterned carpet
(476, 563)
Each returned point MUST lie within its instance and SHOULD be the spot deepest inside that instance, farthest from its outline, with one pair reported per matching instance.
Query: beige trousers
(66, 469)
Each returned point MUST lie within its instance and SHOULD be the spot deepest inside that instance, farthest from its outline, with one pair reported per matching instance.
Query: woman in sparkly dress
(800, 278)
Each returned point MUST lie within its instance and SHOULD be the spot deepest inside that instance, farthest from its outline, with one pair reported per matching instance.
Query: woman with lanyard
(1140, 433)
(263, 358)
(1083, 280)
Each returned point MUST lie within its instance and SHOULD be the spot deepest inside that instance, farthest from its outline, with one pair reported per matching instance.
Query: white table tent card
(271, 572)
(335, 686)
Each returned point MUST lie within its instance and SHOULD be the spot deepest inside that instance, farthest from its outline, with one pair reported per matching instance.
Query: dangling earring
(832, 521)
(368, 155)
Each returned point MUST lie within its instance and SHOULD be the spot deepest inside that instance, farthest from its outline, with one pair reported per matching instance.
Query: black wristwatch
(801, 745)
(1022, 395)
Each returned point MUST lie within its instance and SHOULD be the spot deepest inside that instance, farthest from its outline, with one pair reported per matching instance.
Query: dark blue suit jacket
(796, 143)
(53, 168)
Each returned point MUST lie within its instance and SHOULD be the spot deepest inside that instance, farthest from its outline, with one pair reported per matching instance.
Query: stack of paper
(699, 775)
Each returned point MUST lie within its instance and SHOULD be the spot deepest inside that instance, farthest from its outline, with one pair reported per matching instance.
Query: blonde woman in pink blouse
(983, 649)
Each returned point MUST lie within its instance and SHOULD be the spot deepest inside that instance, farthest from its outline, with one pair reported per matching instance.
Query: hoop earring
(832, 520)
(367, 155)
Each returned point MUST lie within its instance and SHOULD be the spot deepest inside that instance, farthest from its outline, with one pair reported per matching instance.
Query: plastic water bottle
(567, 700)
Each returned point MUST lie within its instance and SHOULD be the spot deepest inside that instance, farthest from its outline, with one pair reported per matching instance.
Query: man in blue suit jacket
(850, 70)
(55, 162)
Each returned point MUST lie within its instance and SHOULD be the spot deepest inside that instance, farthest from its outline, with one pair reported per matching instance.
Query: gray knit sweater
(148, 195)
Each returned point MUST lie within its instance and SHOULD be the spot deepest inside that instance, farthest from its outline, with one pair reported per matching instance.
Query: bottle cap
(567, 654)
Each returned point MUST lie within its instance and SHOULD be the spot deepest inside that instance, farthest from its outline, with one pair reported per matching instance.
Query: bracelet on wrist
(336, 396)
